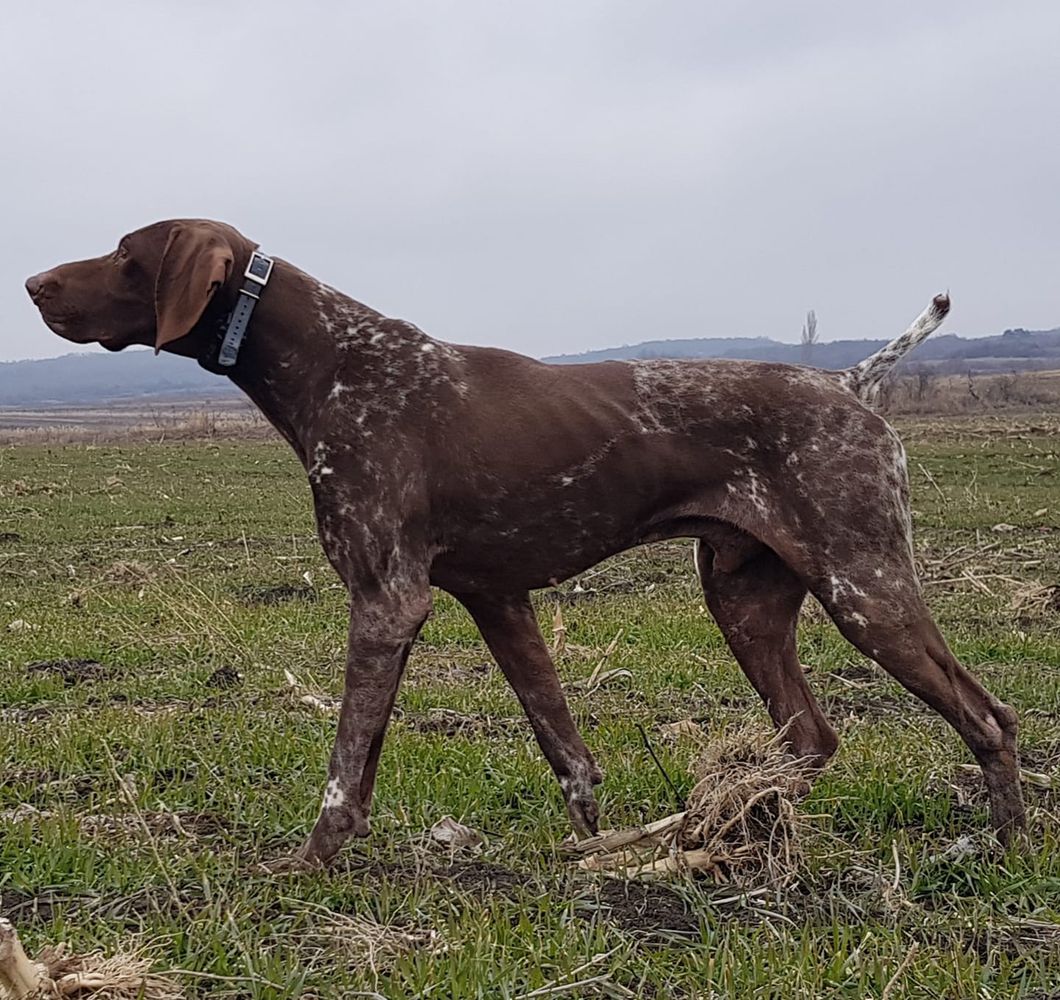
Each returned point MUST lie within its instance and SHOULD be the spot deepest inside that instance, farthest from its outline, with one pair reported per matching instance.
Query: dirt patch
(148, 707)
(195, 824)
(641, 907)
(451, 723)
(280, 593)
(10, 536)
(32, 713)
(484, 877)
(431, 666)
(870, 706)
(142, 706)
(478, 878)
(740, 702)
(858, 672)
(1041, 758)
(23, 907)
(224, 677)
(30, 776)
(967, 789)
(964, 788)
(49, 784)
(71, 671)
(167, 706)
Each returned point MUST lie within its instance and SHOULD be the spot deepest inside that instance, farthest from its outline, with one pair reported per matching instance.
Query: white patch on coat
(578, 783)
(333, 795)
(747, 486)
(319, 468)
(842, 588)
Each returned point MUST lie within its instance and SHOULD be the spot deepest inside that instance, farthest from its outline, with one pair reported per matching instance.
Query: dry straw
(740, 824)
(61, 973)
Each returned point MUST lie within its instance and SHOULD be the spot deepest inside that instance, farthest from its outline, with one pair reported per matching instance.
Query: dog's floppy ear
(196, 262)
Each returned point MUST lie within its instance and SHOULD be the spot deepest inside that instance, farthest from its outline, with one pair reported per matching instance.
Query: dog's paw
(584, 814)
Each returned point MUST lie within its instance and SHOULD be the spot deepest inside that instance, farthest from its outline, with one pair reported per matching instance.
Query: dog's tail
(865, 377)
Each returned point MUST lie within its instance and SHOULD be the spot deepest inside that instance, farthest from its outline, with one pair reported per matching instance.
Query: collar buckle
(259, 268)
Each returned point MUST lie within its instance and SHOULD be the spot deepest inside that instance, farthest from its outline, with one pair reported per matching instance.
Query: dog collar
(255, 278)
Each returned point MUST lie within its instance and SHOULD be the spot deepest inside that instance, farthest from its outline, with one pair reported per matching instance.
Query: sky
(555, 176)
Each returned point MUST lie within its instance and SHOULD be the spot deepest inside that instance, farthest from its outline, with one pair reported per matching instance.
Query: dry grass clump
(1036, 598)
(740, 823)
(57, 972)
(128, 571)
(367, 941)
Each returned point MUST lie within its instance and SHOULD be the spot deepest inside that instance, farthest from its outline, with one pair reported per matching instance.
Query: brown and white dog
(489, 475)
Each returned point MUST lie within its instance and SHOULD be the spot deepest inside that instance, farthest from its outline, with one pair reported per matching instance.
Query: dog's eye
(123, 251)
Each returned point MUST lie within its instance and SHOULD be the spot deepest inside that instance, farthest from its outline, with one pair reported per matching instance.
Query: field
(152, 596)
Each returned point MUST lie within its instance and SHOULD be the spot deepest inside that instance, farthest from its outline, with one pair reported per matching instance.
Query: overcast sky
(553, 177)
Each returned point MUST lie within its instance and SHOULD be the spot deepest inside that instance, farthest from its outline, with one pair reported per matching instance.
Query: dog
(489, 475)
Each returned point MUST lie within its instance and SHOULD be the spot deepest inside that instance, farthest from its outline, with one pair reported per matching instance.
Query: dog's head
(152, 290)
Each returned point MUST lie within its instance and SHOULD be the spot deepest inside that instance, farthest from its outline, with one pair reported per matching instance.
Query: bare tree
(809, 336)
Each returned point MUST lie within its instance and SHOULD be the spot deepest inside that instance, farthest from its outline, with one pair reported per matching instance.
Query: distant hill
(95, 378)
(1020, 349)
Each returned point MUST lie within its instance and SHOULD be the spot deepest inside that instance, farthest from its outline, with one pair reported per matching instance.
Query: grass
(190, 574)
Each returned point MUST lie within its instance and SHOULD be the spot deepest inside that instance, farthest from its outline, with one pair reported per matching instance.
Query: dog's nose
(38, 283)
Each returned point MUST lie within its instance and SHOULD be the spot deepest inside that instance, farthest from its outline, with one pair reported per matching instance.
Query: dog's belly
(514, 566)
(534, 545)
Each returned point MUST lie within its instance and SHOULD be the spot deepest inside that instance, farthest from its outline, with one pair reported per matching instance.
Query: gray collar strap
(255, 278)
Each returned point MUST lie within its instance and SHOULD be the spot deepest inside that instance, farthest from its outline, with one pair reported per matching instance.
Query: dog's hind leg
(878, 606)
(508, 625)
(755, 600)
(845, 528)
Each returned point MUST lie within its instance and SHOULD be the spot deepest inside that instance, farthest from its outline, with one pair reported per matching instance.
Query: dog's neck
(347, 357)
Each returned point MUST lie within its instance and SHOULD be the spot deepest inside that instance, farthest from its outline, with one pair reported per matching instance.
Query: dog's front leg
(508, 625)
(382, 630)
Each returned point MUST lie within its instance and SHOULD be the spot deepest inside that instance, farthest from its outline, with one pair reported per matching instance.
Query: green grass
(154, 559)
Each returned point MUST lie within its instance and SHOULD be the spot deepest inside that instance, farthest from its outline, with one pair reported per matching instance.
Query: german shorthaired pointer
(489, 475)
